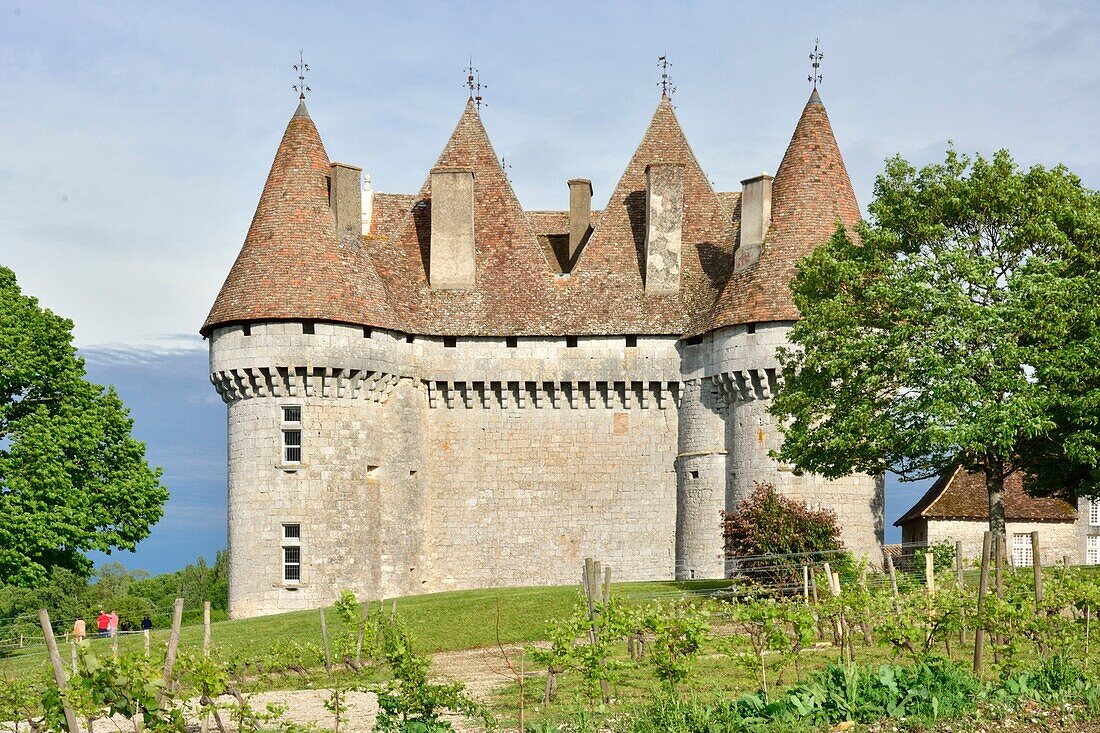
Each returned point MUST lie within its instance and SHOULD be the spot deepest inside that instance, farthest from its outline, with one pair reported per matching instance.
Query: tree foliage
(72, 478)
(959, 327)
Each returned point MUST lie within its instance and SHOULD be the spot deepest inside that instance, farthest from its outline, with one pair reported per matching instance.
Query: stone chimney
(580, 213)
(756, 217)
(451, 264)
(664, 217)
(346, 201)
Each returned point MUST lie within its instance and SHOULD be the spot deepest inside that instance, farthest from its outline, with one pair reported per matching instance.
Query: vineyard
(810, 642)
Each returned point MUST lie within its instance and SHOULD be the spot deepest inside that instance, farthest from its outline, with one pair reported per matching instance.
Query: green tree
(72, 478)
(952, 330)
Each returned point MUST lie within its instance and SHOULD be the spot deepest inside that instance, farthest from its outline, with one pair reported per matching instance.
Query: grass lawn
(436, 622)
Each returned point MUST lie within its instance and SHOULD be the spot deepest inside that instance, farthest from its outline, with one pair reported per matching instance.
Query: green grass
(436, 622)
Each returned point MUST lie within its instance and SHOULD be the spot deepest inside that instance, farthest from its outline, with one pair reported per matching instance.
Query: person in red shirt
(103, 623)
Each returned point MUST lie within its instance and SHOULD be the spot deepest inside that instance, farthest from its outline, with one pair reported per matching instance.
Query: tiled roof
(811, 193)
(292, 265)
(960, 494)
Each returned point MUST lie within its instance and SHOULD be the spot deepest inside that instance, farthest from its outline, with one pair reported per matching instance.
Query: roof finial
(815, 59)
(667, 89)
(473, 83)
(301, 67)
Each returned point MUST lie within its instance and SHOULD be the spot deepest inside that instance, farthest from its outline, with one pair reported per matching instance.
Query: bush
(769, 524)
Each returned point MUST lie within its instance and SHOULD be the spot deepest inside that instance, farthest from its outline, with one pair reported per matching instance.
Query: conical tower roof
(811, 194)
(615, 253)
(292, 265)
(512, 268)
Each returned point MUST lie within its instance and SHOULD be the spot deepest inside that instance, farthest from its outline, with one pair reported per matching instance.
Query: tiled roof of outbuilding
(292, 265)
(811, 194)
(960, 494)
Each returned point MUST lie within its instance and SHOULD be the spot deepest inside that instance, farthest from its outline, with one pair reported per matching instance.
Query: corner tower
(734, 371)
(304, 352)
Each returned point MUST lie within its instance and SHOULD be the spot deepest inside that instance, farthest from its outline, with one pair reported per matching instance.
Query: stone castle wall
(432, 464)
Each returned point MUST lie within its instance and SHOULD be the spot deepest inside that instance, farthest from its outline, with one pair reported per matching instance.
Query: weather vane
(473, 83)
(667, 89)
(816, 57)
(505, 166)
(301, 67)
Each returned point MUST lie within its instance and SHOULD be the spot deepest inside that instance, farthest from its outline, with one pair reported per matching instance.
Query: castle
(442, 390)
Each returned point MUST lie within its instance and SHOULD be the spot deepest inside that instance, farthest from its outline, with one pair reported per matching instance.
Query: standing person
(103, 623)
(146, 623)
(112, 625)
(80, 630)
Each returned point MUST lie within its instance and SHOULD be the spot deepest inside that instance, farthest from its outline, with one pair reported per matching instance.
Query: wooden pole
(206, 628)
(173, 646)
(983, 587)
(1000, 542)
(1038, 568)
(959, 563)
(961, 584)
(806, 584)
(324, 640)
(114, 641)
(58, 670)
(930, 573)
(893, 579)
(146, 633)
(72, 653)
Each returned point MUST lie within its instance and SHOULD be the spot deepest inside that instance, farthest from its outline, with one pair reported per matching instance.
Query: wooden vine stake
(806, 584)
(324, 640)
(1037, 567)
(961, 585)
(204, 724)
(983, 587)
(596, 593)
(173, 647)
(58, 669)
(893, 579)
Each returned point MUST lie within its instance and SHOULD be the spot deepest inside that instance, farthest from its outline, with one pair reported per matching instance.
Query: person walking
(103, 623)
(80, 630)
(146, 623)
(112, 624)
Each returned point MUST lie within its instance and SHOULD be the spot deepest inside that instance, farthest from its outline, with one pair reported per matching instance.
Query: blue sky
(136, 138)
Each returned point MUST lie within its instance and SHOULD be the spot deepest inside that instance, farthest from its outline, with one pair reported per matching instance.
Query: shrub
(769, 524)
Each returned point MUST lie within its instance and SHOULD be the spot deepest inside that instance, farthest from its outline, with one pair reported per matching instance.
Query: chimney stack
(756, 217)
(664, 216)
(451, 263)
(580, 213)
(345, 199)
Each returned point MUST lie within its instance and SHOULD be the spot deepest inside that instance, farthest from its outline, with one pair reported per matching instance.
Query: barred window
(1094, 512)
(1092, 550)
(292, 564)
(292, 553)
(291, 433)
(1021, 550)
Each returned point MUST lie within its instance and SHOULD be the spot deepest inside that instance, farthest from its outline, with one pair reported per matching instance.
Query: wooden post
(364, 614)
(173, 646)
(961, 584)
(324, 640)
(146, 634)
(983, 587)
(1038, 568)
(813, 594)
(893, 580)
(959, 563)
(58, 670)
(114, 642)
(72, 653)
(806, 584)
(206, 628)
(864, 623)
(930, 573)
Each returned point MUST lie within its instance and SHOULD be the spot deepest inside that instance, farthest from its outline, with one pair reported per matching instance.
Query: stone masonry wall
(1056, 539)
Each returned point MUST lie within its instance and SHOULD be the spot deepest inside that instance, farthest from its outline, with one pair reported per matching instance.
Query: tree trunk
(995, 486)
